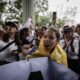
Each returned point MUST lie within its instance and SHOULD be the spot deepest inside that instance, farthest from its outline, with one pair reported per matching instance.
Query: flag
(37, 68)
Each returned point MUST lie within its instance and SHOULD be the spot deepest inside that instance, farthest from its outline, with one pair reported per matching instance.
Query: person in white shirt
(6, 54)
(71, 45)
(30, 26)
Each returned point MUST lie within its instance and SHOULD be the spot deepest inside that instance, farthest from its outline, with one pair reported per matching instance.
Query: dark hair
(21, 35)
(17, 39)
(11, 24)
(78, 25)
(67, 29)
(22, 31)
(5, 37)
(43, 27)
(66, 26)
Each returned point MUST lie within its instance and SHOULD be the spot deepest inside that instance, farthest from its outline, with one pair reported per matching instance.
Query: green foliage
(42, 20)
(37, 19)
(18, 4)
(60, 23)
(1, 23)
(41, 6)
(15, 10)
(11, 10)
(2, 6)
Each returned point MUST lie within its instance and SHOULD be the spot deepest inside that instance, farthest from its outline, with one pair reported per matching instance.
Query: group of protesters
(30, 42)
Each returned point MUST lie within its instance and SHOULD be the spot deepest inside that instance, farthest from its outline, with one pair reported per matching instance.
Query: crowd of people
(31, 42)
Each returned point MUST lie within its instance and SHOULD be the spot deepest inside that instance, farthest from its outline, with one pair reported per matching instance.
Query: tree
(44, 20)
(72, 11)
(13, 10)
(2, 8)
(41, 6)
(60, 23)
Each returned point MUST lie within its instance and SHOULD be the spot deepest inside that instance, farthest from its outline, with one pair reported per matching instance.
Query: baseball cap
(67, 29)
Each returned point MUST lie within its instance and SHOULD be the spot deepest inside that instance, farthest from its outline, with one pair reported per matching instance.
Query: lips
(47, 44)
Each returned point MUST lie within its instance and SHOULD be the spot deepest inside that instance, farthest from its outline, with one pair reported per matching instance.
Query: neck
(49, 50)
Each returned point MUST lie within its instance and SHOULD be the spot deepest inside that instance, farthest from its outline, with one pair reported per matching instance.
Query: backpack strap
(71, 44)
(2, 49)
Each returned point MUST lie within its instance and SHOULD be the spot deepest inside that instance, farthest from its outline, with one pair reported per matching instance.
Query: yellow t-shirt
(58, 54)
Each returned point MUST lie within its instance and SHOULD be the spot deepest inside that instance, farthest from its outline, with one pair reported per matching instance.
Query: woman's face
(50, 39)
(13, 30)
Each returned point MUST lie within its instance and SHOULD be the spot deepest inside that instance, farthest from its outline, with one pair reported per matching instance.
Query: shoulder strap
(32, 39)
(6, 46)
(71, 44)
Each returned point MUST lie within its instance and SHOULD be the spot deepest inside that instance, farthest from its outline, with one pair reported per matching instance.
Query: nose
(47, 38)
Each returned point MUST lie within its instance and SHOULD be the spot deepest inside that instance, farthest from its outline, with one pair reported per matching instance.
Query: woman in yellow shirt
(50, 47)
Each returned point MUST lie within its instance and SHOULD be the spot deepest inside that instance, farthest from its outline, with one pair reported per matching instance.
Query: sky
(60, 6)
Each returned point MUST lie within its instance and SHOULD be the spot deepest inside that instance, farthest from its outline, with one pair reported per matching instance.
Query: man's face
(13, 30)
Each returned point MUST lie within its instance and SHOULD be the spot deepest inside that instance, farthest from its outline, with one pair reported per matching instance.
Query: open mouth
(47, 45)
